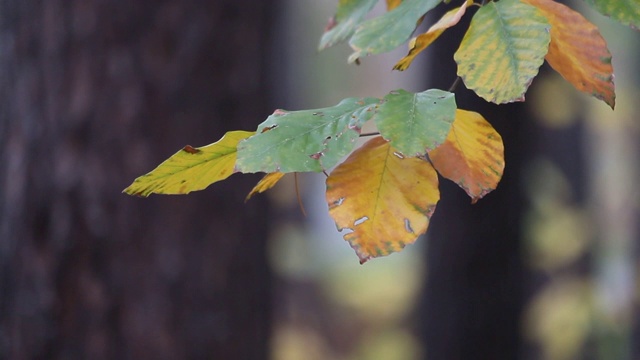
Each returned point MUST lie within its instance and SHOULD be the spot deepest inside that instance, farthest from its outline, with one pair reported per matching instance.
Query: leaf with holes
(386, 199)
(416, 123)
(626, 12)
(266, 183)
(472, 156)
(306, 140)
(502, 50)
(191, 169)
(422, 41)
(577, 51)
(388, 31)
(343, 24)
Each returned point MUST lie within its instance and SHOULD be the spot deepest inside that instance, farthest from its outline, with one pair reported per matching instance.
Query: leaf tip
(132, 192)
(401, 66)
(355, 58)
(364, 259)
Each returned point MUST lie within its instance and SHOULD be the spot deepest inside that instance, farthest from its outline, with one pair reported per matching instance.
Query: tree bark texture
(473, 298)
(93, 94)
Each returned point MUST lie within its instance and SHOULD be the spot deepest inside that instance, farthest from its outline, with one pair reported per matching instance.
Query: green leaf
(416, 123)
(191, 169)
(386, 32)
(343, 24)
(626, 12)
(307, 140)
(503, 50)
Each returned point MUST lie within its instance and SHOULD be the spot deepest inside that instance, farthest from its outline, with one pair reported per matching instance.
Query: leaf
(422, 41)
(383, 197)
(626, 12)
(386, 32)
(416, 123)
(577, 51)
(191, 169)
(392, 4)
(502, 50)
(266, 183)
(343, 24)
(472, 156)
(306, 140)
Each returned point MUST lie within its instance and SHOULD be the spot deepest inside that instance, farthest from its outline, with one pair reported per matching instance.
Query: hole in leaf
(360, 221)
(407, 226)
(337, 202)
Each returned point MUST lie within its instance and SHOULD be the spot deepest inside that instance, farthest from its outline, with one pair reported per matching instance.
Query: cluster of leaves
(386, 190)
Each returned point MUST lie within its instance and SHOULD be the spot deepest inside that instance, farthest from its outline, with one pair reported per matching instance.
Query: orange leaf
(422, 41)
(472, 155)
(577, 51)
(266, 183)
(392, 4)
(383, 197)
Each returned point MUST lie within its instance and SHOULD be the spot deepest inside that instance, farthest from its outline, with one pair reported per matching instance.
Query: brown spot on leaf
(191, 150)
(268, 128)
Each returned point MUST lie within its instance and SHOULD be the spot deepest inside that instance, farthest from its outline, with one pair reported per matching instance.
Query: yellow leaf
(422, 41)
(383, 197)
(472, 155)
(577, 51)
(502, 50)
(392, 4)
(191, 169)
(266, 183)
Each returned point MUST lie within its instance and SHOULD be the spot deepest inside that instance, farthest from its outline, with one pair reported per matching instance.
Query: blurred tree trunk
(474, 294)
(93, 94)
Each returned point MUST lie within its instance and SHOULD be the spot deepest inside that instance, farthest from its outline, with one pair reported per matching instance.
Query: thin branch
(455, 83)
(295, 177)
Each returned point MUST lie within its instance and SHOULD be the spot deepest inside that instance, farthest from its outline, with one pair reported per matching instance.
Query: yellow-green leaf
(383, 197)
(266, 183)
(502, 50)
(577, 51)
(626, 12)
(422, 41)
(191, 169)
(472, 156)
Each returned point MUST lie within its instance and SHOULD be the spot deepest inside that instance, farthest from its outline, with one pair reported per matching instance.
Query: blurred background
(95, 93)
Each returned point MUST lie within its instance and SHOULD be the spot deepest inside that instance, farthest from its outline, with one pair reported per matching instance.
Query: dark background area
(94, 93)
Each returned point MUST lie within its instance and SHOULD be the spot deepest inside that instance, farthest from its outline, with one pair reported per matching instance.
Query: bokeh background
(95, 93)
